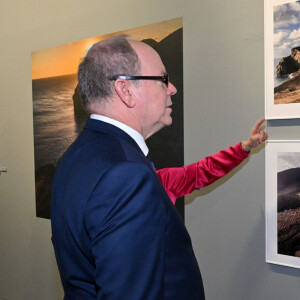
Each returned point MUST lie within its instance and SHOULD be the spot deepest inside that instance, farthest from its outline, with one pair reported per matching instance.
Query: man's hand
(257, 137)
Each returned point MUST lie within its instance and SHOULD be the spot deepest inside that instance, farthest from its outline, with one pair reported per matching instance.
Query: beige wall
(224, 95)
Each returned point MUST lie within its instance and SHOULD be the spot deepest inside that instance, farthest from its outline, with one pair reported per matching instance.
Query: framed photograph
(59, 116)
(283, 203)
(282, 59)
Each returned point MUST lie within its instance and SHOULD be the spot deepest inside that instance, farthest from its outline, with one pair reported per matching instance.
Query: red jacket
(182, 181)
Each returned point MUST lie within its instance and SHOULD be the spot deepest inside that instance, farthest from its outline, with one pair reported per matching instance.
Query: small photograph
(288, 203)
(287, 53)
(283, 203)
(282, 59)
(58, 114)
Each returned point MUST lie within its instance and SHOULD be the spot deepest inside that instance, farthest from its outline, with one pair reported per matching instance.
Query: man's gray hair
(106, 58)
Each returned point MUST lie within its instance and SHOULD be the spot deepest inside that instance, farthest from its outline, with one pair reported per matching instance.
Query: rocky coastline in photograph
(289, 91)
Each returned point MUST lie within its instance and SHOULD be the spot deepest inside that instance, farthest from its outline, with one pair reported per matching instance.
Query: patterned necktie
(151, 162)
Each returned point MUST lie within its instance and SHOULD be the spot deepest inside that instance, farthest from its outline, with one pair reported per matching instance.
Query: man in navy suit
(116, 234)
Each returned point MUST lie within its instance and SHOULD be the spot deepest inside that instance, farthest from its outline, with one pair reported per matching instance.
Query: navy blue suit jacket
(116, 234)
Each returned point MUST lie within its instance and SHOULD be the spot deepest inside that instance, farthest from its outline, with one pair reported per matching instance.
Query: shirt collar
(130, 131)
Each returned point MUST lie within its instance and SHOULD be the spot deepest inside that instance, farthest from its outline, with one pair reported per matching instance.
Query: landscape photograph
(286, 23)
(288, 203)
(58, 114)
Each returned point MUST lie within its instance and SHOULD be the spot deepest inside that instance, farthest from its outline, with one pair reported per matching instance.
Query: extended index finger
(258, 124)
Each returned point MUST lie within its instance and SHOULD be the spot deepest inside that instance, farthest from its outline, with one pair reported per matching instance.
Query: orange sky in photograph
(64, 59)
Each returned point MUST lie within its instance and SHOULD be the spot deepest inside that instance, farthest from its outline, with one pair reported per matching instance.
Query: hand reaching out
(257, 137)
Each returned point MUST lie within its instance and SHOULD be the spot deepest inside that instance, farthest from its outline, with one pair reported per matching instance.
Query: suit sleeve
(182, 181)
(125, 219)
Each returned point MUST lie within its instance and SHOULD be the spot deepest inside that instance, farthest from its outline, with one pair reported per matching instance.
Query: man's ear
(123, 89)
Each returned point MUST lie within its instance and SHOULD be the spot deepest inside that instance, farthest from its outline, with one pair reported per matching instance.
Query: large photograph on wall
(283, 203)
(58, 114)
(282, 59)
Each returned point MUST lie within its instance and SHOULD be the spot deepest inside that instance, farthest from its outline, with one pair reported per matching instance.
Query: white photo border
(272, 111)
(272, 149)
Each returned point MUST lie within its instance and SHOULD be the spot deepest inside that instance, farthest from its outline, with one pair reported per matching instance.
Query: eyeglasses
(164, 78)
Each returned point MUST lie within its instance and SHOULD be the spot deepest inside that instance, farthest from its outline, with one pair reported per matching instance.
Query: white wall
(224, 96)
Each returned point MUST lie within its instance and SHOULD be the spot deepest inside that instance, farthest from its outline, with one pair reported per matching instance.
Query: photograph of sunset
(58, 114)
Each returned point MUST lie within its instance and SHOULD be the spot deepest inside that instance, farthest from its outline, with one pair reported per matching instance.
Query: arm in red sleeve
(182, 181)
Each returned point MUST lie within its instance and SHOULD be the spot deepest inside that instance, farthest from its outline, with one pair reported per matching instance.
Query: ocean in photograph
(55, 128)
(53, 116)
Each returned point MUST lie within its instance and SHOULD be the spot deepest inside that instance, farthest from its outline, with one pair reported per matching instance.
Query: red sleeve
(182, 181)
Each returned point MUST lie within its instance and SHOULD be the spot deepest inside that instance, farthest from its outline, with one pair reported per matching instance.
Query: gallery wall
(223, 48)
